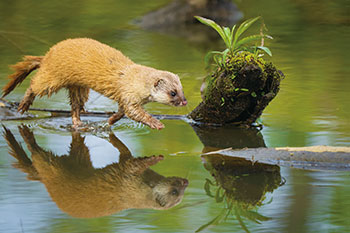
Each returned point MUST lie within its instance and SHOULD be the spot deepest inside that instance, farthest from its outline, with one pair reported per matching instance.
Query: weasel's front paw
(155, 124)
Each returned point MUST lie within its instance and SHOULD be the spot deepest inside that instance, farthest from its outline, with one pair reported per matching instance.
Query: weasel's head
(167, 89)
(169, 192)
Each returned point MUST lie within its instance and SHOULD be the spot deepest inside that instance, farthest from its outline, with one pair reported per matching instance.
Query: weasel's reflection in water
(85, 192)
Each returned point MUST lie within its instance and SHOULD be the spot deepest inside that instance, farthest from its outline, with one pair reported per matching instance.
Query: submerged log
(238, 92)
(314, 157)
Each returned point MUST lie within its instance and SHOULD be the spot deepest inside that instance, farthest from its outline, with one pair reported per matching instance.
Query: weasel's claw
(156, 124)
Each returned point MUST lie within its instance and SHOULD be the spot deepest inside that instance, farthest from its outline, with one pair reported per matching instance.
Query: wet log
(313, 157)
(238, 92)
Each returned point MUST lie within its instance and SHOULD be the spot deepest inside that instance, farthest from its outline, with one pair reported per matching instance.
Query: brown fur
(22, 70)
(82, 64)
(85, 192)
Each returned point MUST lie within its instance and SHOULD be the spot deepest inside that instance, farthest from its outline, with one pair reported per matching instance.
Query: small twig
(262, 34)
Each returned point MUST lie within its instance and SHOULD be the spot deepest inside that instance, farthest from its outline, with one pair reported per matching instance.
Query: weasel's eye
(174, 192)
(173, 93)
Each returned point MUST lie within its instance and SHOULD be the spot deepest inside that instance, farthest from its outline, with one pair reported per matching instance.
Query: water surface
(310, 46)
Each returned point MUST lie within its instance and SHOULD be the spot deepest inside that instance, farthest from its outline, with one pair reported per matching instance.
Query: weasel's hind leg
(78, 96)
(27, 100)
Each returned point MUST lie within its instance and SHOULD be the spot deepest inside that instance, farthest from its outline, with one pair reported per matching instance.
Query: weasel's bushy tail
(22, 70)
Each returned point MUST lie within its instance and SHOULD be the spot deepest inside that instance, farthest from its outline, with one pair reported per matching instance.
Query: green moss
(237, 91)
(239, 60)
(234, 64)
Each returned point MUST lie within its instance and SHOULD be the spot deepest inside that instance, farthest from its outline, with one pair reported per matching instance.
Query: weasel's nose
(183, 102)
(185, 182)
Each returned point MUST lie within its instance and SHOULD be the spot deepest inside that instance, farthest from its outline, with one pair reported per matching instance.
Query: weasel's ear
(159, 83)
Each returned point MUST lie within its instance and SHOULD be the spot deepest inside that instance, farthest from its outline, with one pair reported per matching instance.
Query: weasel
(82, 64)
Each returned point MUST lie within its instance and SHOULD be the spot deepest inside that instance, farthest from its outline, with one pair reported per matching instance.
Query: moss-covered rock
(238, 91)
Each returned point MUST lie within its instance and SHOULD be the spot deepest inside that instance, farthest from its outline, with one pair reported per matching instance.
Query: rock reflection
(85, 192)
(240, 185)
(214, 138)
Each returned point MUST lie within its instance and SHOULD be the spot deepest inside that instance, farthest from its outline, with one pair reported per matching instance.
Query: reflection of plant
(241, 186)
(233, 207)
(233, 41)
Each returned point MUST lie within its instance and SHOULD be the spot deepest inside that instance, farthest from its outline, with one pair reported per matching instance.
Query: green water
(310, 46)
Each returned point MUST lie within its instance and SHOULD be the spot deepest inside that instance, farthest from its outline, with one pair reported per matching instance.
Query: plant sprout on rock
(242, 83)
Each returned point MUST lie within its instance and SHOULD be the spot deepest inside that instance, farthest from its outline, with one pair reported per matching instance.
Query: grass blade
(232, 34)
(227, 33)
(224, 54)
(255, 216)
(213, 25)
(243, 27)
(209, 56)
(265, 49)
(247, 39)
(213, 222)
(219, 198)
(207, 188)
